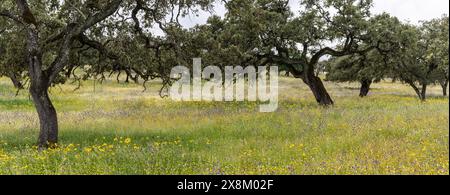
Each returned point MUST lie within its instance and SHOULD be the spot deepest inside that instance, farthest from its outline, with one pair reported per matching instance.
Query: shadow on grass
(27, 139)
(16, 103)
(429, 97)
(358, 88)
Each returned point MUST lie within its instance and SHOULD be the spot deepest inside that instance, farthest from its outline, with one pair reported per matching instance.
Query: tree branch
(11, 16)
(27, 15)
(110, 9)
(74, 30)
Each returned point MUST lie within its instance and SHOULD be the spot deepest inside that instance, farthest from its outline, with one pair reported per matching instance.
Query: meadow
(115, 128)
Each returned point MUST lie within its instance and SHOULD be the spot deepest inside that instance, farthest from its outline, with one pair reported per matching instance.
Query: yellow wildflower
(88, 149)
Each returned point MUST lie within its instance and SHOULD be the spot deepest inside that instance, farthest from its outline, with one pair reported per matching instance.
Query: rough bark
(318, 89)
(48, 135)
(40, 81)
(365, 87)
(314, 83)
(39, 85)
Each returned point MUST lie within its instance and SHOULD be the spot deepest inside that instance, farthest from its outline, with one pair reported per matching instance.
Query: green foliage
(12, 52)
(256, 29)
(371, 65)
(113, 44)
(358, 68)
(253, 32)
(436, 42)
(411, 54)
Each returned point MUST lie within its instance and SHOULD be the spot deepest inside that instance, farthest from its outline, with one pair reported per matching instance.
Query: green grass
(118, 129)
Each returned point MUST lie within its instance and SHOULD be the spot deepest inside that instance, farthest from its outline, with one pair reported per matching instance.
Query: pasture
(115, 128)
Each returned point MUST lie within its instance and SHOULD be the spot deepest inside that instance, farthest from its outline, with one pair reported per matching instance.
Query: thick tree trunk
(318, 89)
(365, 87)
(48, 135)
(39, 84)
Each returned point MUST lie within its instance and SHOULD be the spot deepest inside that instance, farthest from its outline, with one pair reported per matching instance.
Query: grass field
(118, 129)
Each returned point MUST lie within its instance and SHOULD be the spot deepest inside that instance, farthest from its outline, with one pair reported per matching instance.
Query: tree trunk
(423, 92)
(444, 85)
(48, 135)
(39, 85)
(318, 89)
(365, 87)
(416, 89)
(16, 82)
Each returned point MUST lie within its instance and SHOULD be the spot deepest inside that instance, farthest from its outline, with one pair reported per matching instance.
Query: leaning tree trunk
(365, 87)
(16, 82)
(318, 89)
(421, 93)
(48, 135)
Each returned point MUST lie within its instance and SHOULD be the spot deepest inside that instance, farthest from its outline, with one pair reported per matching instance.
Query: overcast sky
(412, 10)
(406, 10)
